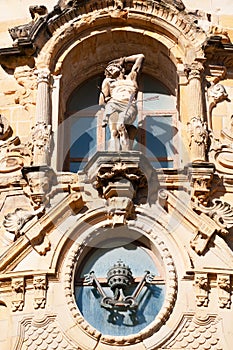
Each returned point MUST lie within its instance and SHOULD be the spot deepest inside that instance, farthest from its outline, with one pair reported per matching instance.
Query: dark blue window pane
(163, 164)
(159, 135)
(76, 166)
(83, 137)
(86, 95)
(153, 88)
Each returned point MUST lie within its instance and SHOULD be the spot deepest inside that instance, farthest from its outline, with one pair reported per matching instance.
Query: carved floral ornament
(75, 257)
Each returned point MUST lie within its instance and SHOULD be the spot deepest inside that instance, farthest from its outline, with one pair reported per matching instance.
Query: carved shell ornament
(15, 221)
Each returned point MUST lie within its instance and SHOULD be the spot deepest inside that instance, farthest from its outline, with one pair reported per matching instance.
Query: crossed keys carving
(118, 278)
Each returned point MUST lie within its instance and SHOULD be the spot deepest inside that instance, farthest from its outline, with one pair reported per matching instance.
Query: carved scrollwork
(221, 212)
(110, 174)
(218, 93)
(15, 221)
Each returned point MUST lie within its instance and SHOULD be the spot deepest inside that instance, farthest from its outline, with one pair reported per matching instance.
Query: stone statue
(118, 96)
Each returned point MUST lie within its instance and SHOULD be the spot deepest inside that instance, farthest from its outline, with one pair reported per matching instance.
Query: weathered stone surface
(52, 221)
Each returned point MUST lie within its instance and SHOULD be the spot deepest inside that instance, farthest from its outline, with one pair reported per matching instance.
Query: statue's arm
(104, 93)
(137, 61)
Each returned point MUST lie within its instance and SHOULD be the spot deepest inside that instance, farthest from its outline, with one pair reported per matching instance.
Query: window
(156, 121)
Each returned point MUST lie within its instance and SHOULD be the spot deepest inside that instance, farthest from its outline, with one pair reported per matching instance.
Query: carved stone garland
(171, 287)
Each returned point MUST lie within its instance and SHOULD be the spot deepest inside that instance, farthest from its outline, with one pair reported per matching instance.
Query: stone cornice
(217, 52)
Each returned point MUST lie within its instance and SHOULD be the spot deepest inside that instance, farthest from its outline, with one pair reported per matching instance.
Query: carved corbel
(215, 74)
(40, 180)
(224, 291)
(202, 289)
(23, 31)
(18, 289)
(201, 177)
(40, 287)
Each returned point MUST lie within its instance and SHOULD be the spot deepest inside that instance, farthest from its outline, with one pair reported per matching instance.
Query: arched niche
(80, 48)
(88, 58)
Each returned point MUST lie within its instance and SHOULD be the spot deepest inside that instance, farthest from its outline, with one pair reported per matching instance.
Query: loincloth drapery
(126, 110)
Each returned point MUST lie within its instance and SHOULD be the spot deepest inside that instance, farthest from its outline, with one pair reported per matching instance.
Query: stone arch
(163, 24)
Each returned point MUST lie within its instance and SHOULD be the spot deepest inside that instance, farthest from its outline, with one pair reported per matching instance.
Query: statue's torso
(123, 90)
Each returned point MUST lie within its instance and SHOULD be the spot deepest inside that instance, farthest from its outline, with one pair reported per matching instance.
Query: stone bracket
(202, 289)
(18, 290)
(40, 287)
(224, 290)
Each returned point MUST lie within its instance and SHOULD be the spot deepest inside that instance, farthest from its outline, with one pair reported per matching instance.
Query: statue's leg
(113, 144)
(132, 132)
(123, 134)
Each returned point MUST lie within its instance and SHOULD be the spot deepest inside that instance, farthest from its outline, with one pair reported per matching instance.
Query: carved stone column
(43, 105)
(41, 132)
(195, 107)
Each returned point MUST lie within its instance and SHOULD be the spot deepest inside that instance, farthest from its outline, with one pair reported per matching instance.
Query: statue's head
(113, 70)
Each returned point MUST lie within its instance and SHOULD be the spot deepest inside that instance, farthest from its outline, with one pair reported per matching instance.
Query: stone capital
(43, 76)
(194, 70)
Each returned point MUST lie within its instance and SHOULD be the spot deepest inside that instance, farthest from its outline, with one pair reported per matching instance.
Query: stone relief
(218, 210)
(118, 97)
(204, 227)
(26, 95)
(217, 93)
(41, 135)
(201, 177)
(39, 181)
(15, 221)
(171, 284)
(13, 154)
(127, 180)
(198, 135)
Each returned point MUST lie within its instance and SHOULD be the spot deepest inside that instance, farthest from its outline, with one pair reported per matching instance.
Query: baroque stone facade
(123, 238)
